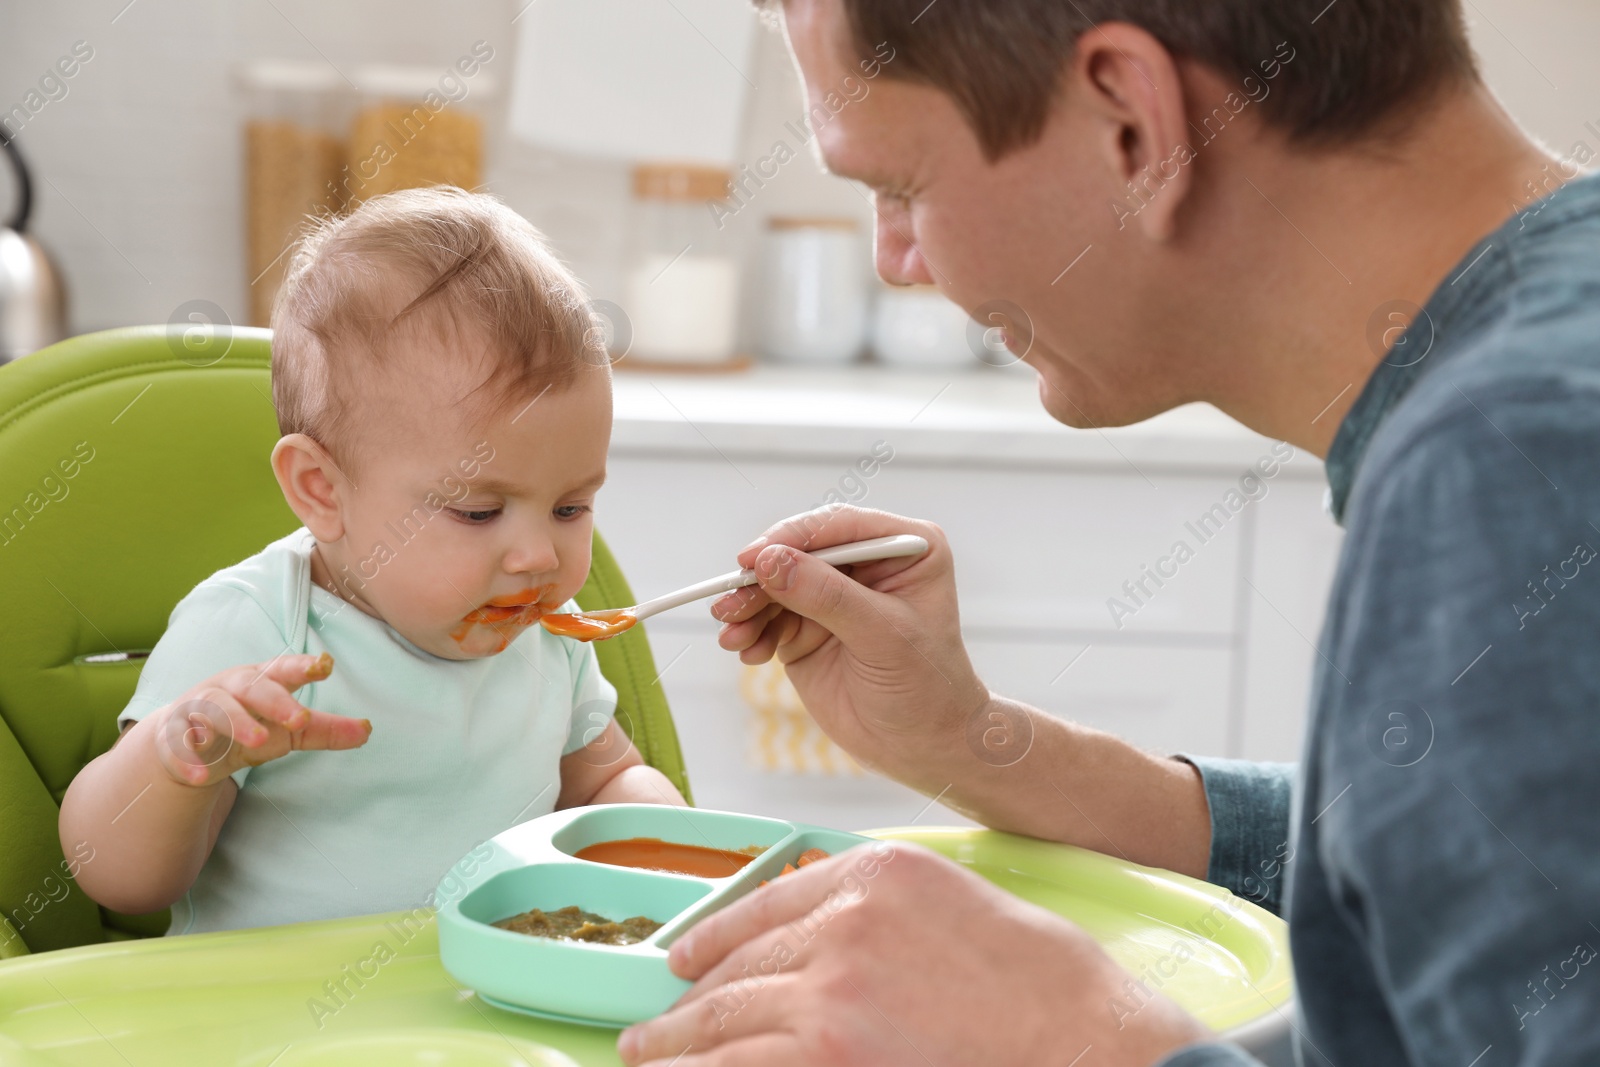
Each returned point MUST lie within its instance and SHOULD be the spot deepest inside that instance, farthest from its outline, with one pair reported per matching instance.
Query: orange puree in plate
(653, 854)
(590, 626)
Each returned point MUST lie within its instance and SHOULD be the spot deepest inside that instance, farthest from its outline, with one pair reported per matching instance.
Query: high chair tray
(374, 990)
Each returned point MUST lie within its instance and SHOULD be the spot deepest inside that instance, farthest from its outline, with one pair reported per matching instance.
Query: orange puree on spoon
(591, 625)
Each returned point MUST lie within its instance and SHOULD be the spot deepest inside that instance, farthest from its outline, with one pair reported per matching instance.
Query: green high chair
(134, 463)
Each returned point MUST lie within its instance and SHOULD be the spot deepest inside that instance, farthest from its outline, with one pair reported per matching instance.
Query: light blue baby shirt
(460, 749)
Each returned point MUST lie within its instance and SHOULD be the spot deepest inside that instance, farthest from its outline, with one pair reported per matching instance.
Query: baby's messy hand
(244, 716)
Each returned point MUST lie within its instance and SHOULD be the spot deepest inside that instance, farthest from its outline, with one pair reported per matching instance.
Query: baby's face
(461, 533)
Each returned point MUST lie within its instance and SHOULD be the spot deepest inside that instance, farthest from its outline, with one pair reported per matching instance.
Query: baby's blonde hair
(421, 264)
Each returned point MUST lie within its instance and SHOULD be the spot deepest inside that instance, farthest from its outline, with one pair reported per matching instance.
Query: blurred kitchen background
(174, 144)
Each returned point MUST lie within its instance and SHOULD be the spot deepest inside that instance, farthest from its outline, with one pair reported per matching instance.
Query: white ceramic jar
(814, 306)
(916, 326)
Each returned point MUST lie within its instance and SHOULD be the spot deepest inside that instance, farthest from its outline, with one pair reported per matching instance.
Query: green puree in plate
(574, 924)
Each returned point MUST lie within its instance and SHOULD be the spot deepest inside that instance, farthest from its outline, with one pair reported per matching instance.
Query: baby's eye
(571, 511)
(475, 518)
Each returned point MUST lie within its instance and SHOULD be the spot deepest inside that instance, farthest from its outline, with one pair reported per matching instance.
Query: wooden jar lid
(812, 222)
(680, 181)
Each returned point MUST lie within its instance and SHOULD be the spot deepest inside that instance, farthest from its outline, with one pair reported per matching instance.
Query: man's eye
(475, 518)
(571, 511)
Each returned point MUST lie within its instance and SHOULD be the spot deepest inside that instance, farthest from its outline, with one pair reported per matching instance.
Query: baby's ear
(311, 483)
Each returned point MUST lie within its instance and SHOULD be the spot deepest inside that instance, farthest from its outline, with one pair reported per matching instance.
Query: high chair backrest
(134, 463)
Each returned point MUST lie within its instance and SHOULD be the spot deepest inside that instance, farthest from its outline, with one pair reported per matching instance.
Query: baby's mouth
(497, 613)
(523, 608)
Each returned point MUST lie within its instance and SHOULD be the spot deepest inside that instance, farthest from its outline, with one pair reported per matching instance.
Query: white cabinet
(1167, 698)
(1043, 550)
(1210, 651)
(1296, 548)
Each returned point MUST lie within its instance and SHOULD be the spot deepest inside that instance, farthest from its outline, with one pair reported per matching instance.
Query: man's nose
(897, 257)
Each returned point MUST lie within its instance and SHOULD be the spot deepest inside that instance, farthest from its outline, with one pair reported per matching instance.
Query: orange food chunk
(810, 855)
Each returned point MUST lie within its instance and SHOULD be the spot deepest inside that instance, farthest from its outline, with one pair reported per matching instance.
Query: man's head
(446, 410)
(1100, 164)
(1357, 64)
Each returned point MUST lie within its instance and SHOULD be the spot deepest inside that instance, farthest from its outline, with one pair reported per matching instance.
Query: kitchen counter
(981, 414)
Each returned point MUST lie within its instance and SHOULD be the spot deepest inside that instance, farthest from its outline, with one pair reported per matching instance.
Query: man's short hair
(1359, 67)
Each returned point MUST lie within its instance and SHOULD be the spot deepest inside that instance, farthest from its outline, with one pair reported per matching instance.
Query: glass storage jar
(682, 279)
(293, 146)
(415, 126)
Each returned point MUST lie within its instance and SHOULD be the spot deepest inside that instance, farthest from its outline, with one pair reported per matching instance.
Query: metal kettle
(33, 298)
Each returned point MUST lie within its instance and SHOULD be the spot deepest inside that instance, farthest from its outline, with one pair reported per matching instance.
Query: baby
(446, 410)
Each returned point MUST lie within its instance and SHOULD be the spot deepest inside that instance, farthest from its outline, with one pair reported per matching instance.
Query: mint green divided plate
(371, 990)
(533, 865)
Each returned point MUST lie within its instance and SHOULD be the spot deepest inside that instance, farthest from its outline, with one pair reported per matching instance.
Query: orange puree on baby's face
(590, 626)
(512, 606)
(653, 854)
(506, 616)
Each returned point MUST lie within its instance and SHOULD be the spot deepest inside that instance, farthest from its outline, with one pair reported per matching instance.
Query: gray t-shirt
(1442, 877)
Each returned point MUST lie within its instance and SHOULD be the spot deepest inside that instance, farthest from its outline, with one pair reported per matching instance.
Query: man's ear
(1131, 83)
(312, 485)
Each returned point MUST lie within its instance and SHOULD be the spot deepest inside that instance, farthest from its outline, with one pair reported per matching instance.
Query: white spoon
(598, 625)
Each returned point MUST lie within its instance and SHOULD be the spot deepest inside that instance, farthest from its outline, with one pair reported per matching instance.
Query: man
(1317, 219)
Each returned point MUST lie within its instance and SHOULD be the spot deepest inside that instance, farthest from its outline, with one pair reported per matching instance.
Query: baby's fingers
(268, 700)
(264, 691)
(292, 672)
(327, 731)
